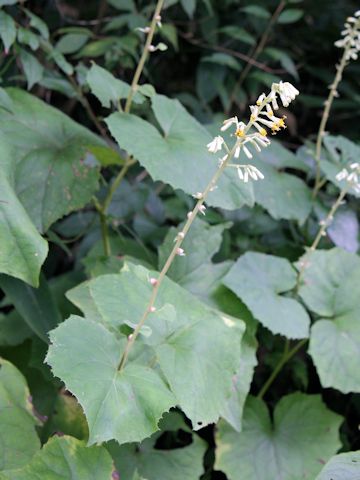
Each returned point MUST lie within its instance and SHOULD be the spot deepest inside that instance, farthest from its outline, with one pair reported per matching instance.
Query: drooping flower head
(351, 37)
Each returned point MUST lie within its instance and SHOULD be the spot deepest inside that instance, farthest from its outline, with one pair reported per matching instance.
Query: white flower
(342, 175)
(246, 171)
(286, 91)
(230, 121)
(202, 209)
(216, 144)
(143, 30)
(247, 152)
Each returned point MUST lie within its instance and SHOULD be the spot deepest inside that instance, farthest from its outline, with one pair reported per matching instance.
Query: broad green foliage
(65, 457)
(36, 306)
(197, 348)
(50, 174)
(126, 405)
(259, 281)
(196, 272)
(18, 438)
(178, 155)
(302, 435)
(331, 289)
(108, 89)
(23, 251)
(345, 466)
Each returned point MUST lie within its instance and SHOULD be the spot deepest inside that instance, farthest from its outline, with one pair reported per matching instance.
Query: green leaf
(71, 42)
(49, 143)
(32, 68)
(122, 405)
(223, 59)
(302, 435)
(196, 272)
(65, 457)
(13, 329)
(5, 100)
(331, 288)
(283, 195)
(23, 250)
(29, 38)
(291, 15)
(345, 466)
(8, 2)
(238, 33)
(170, 157)
(256, 10)
(189, 7)
(18, 438)
(106, 156)
(36, 306)
(108, 89)
(7, 30)
(197, 348)
(38, 24)
(155, 464)
(259, 280)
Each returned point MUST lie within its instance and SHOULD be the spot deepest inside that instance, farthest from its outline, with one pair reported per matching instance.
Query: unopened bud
(180, 252)
(198, 195)
(152, 309)
(151, 48)
(189, 214)
(153, 281)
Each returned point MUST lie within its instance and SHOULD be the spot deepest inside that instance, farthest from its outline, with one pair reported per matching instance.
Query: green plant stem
(144, 56)
(324, 225)
(287, 355)
(103, 226)
(325, 117)
(84, 102)
(254, 55)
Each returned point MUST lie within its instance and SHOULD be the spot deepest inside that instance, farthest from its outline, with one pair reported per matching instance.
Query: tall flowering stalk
(350, 42)
(251, 134)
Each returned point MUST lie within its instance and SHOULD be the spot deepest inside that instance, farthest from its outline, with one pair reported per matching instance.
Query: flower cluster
(262, 117)
(351, 177)
(351, 37)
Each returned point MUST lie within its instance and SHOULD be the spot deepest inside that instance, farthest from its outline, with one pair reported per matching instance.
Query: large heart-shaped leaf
(178, 156)
(50, 176)
(18, 438)
(259, 280)
(302, 436)
(65, 457)
(331, 288)
(23, 250)
(122, 405)
(197, 348)
(345, 466)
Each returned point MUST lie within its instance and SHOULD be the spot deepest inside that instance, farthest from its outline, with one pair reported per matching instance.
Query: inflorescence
(262, 117)
(351, 37)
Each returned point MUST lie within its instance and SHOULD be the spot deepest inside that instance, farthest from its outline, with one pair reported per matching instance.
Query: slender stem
(167, 265)
(325, 116)
(144, 55)
(103, 225)
(284, 359)
(84, 102)
(115, 184)
(181, 236)
(324, 225)
(259, 48)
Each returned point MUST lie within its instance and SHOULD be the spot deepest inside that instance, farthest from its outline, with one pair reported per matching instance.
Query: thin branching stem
(322, 231)
(324, 119)
(144, 55)
(287, 355)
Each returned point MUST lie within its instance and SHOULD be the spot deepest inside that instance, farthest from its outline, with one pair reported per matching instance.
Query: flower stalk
(351, 45)
(286, 93)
